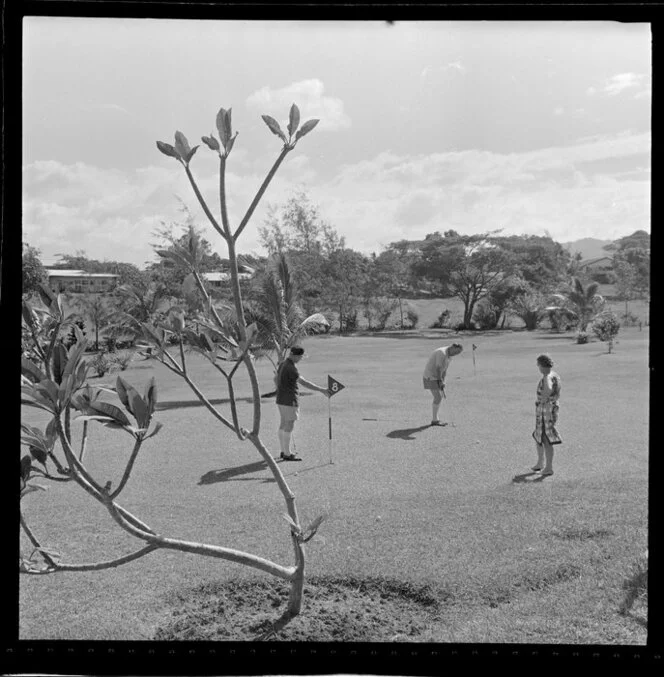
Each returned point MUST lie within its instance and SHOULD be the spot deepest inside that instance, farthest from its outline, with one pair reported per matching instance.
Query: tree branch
(285, 150)
(203, 204)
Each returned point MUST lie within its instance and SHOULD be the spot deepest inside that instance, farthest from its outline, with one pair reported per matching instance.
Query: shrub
(442, 320)
(485, 317)
(629, 319)
(122, 359)
(110, 344)
(377, 312)
(606, 327)
(100, 364)
(582, 337)
(412, 318)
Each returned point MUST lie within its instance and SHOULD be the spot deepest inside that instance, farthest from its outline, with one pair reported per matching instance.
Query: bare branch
(285, 150)
(203, 204)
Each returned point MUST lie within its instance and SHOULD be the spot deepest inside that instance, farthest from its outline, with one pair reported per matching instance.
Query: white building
(216, 280)
(78, 281)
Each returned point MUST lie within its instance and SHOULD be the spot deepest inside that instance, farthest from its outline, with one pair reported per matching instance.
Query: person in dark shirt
(287, 381)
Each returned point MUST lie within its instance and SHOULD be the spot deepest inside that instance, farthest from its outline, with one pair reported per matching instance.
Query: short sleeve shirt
(436, 366)
(287, 389)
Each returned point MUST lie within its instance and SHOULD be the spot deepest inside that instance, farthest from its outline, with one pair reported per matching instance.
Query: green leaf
(48, 390)
(167, 149)
(191, 154)
(274, 127)
(227, 124)
(26, 465)
(28, 314)
(94, 417)
(221, 127)
(231, 143)
(110, 410)
(211, 142)
(293, 119)
(74, 356)
(59, 361)
(182, 145)
(64, 392)
(47, 296)
(306, 128)
(138, 407)
(39, 454)
(151, 396)
(31, 370)
(155, 430)
(121, 389)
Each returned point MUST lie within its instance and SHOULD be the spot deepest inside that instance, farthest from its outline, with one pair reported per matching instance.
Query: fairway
(450, 506)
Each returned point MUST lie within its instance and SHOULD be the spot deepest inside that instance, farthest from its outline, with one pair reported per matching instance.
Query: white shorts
(288, 413)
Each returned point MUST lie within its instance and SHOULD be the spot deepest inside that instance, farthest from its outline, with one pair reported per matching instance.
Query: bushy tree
(32, 269)
(606, 327)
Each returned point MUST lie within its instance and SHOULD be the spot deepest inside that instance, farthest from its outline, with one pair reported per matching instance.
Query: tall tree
(33, 271)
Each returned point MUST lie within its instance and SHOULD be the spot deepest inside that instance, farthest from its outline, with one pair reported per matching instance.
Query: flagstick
(329, 418)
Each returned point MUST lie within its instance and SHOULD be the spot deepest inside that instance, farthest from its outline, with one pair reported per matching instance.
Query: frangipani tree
(62, 388)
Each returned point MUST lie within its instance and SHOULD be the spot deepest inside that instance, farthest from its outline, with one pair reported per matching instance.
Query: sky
(527, 127)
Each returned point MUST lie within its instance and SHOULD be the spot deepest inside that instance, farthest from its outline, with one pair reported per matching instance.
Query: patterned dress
(546, 409)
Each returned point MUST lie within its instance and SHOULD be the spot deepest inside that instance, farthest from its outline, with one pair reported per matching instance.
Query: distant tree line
(492, 274)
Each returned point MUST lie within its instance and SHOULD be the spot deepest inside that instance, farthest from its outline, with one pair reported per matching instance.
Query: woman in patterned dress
(546, 415)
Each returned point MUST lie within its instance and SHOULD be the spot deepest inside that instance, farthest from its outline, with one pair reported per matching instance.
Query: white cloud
(310, 98)
(596, 187)
(619, 83)
(559, 110)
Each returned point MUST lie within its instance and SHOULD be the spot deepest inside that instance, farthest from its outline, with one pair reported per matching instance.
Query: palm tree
(278, 314)
(584, 301)
(141, 302)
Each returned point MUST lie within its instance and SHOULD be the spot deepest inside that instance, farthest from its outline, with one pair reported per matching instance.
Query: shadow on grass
(529, 477)
(181, 404)
(226, 474)
(407, 433)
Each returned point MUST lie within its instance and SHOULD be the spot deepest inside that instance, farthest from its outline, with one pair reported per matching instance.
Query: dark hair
(545, 360)
(297, 351)
(457, 345)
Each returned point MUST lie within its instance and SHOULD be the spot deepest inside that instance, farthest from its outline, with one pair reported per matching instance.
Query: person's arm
(312, 386)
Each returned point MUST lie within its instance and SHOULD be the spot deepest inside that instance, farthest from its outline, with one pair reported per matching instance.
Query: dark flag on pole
(334, 386)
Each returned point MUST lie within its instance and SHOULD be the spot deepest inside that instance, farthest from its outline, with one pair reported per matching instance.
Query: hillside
(589, 247)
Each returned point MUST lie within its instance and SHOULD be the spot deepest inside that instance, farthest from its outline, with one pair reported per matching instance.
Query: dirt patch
(334, 610)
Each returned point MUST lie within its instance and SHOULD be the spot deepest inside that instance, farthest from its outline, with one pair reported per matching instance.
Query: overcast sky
(531, 127)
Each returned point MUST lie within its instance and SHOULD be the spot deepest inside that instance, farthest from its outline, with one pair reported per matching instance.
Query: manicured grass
(511, 561)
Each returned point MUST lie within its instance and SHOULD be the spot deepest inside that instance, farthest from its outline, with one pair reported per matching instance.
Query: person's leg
(286, 436)
(282, 433)
(548, 453)
(540, 456)
(435, 405)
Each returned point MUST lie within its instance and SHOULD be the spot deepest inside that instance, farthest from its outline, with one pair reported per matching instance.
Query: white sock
(434, 411)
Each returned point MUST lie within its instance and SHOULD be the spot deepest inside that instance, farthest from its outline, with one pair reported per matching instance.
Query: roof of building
(587, 262)
(54, 272)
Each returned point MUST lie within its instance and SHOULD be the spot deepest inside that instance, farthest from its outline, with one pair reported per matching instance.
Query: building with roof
(80, 282)
(221, 279)
(601, 264)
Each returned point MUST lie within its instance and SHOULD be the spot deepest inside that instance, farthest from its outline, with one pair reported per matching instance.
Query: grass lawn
(503, 557)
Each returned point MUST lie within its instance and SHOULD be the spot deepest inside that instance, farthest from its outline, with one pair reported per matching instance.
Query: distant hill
(589, 247)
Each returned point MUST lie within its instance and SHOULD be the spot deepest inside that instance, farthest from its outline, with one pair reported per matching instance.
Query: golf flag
(474, 349)
(334, 386)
